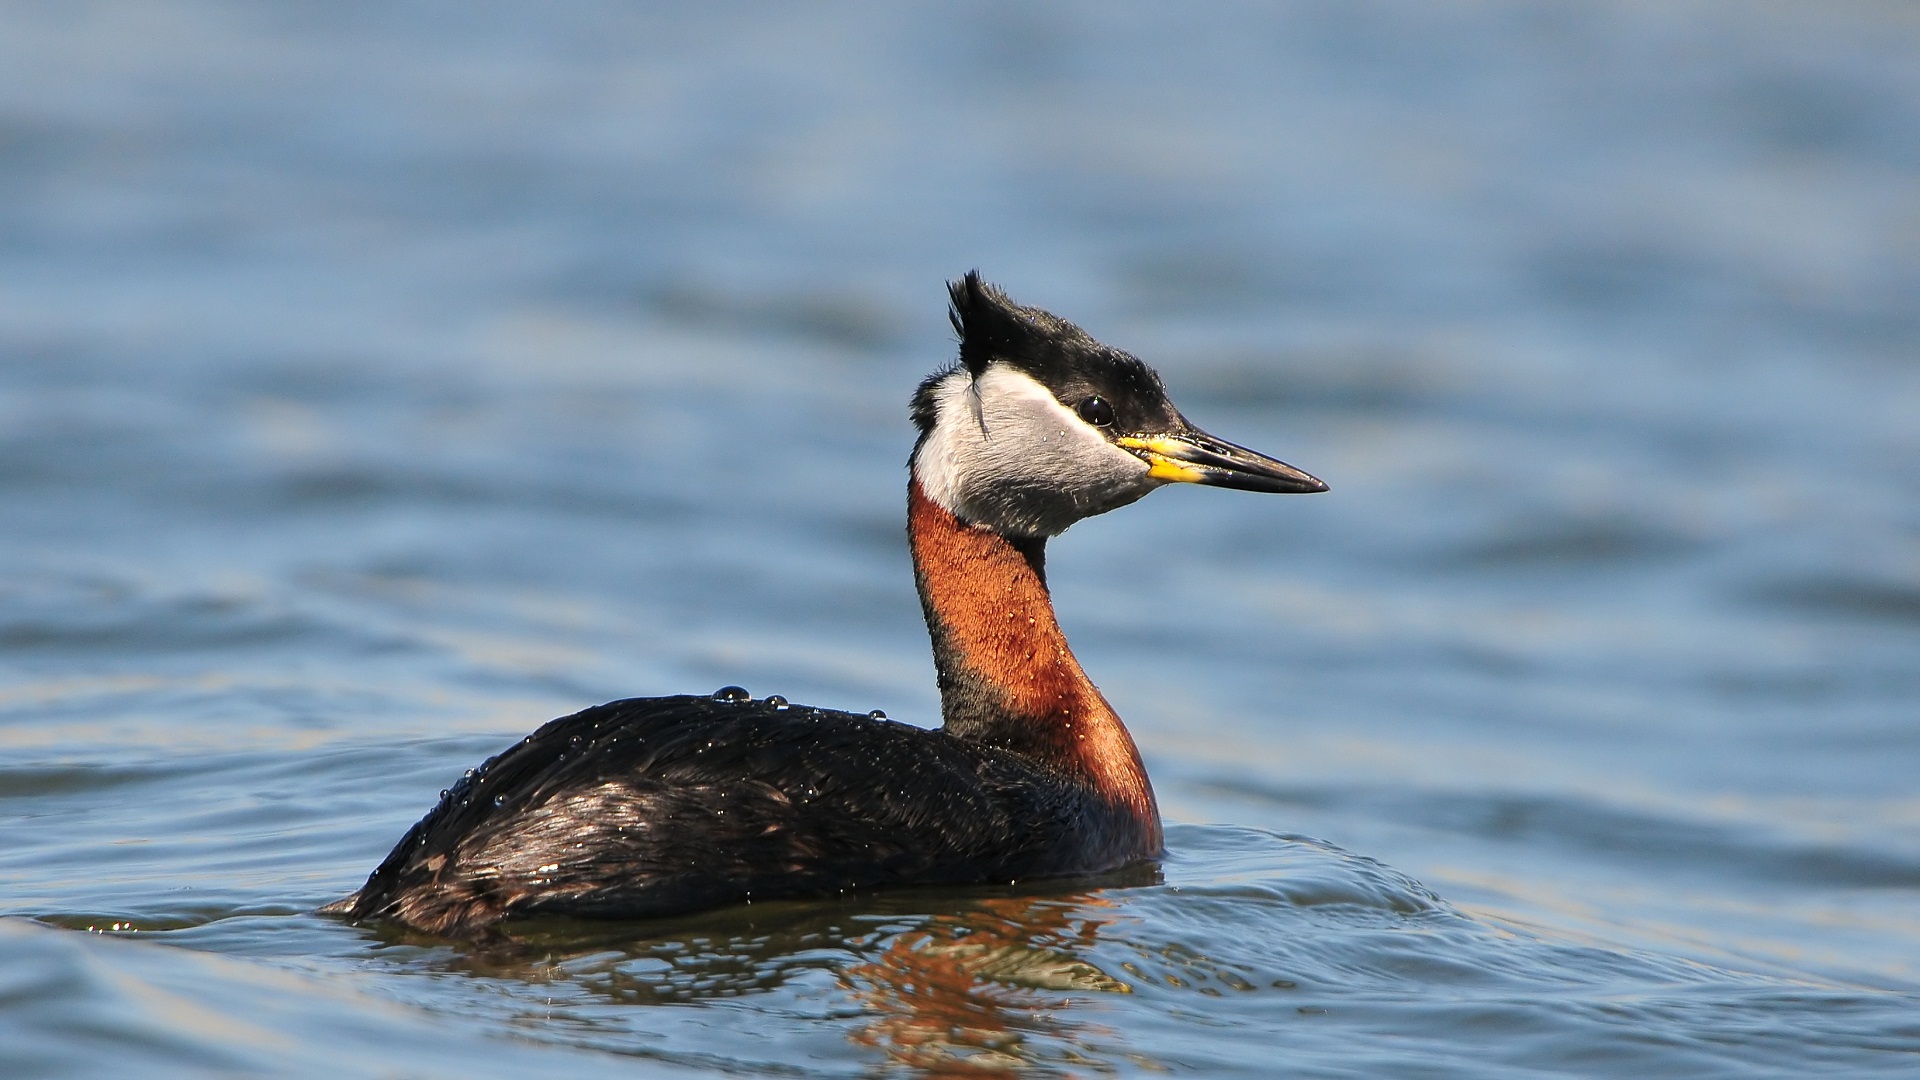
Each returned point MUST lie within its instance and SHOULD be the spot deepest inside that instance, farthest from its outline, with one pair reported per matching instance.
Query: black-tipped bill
(1195, 457)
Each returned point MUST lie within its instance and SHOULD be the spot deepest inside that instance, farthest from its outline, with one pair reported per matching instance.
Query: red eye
(1096, 411)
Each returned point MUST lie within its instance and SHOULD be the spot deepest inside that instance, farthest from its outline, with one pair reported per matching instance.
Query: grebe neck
(1007, 678)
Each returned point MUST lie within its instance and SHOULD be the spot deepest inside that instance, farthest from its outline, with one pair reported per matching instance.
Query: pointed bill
(1194, 457)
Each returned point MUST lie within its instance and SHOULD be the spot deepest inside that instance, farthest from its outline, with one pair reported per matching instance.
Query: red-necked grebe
(654, 806)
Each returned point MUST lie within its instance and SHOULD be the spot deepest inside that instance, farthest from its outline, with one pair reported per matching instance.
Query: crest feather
(988, 323)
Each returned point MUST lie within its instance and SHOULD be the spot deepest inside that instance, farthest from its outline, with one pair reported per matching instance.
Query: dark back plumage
(652, 806)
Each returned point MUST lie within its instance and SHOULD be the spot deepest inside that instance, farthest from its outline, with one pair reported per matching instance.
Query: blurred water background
(380, 380)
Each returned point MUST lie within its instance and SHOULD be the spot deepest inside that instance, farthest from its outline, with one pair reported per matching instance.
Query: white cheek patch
(1004, 453)
(935, 463)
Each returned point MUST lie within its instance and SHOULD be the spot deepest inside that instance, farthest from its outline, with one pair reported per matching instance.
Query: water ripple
(1593, 828)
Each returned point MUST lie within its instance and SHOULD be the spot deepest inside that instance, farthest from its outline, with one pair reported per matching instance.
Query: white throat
(1004, 453)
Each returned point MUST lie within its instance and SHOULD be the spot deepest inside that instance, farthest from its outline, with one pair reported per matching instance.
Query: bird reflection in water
(978, 982)
(979, 992)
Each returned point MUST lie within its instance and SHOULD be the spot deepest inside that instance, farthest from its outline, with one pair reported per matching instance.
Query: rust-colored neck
(1007, 677)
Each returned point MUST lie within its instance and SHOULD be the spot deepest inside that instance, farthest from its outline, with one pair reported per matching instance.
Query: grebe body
(654, 806)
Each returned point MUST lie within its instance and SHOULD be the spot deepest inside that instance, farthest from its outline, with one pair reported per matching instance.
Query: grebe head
(1038, 425)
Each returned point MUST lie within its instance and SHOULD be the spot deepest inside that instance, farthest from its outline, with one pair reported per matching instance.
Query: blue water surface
(380, 380)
